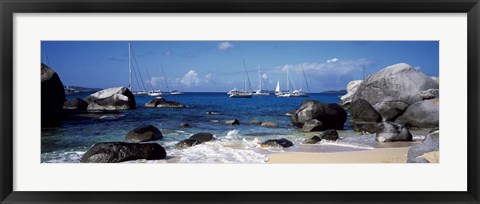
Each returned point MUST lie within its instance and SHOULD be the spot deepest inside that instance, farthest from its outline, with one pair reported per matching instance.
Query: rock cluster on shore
(317, 116)
(160, 102)
(116, 98)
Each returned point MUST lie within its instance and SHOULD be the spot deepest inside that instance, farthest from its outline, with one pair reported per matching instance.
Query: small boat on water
(178, 92)
(242, 93)
(260, 91)
(296, 92)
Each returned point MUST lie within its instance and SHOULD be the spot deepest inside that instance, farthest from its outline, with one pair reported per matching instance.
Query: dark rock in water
(202, 137)
(423, 114)
(212, 113)
(117, 98)
(390, 132)
(332, 115)
(75, 104)
(430, 144)
(395, 83)
(433, 130)
(390, 110)
(143, 134)
(195, 139)
(269, 124)
(184, 125)
(363, 116)
(277, 143)
(113, 152)
(160, 102)
(329, 135)
(430, 94)
(256, 122)
(313, 125)
(187, 143)
(313, 140)
(52, 96)
(232, 122)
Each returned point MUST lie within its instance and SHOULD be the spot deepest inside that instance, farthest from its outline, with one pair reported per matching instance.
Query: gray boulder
(395, 83)
(160, 102)
(315, 139)
(352, 87)
(52, 96)
(232, 122)
(256, 122)
(313, 125)
(187, 143)
(332, 115)
(423, 114)
(113, 152)
(430, 144)
(117, 98)
(75, 104)
(430, 94)
(269, 124)
(283, 143)
(184, 125)
(329, 135)
(363, 116)
(391, 132)
(195, 139)
(143, 134)
(390, 110)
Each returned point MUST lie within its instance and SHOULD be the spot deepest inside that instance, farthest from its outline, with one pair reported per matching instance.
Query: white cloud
(190, 78)
(332, 60)
(225, 46)
(418, 68)
(167, 53)
(264, 76)
(154, 81)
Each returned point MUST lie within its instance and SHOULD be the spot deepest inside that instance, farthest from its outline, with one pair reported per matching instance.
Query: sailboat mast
(129, 69)
(259, 78)
(305, 78)
(288, 82)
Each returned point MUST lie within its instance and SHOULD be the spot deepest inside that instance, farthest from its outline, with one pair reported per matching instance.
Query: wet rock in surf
(363, 116)
(195, 139)
(232, 122)
(390, 132)
(52, 96)
(423, 114)
(75, 104)
(212, 113)
(329, 135)
(114, 152)
(313, 125)
(332, 115)
(184, 125)
(284, 143)
(160, 102)
(117, 98)
(313, 140)
(269, 124)
(143, 134)
(430, 143)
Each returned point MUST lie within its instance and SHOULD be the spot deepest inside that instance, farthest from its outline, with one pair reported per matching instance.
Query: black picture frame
(10, 7)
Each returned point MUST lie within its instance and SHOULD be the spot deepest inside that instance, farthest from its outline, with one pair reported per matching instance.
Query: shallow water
(235, 144)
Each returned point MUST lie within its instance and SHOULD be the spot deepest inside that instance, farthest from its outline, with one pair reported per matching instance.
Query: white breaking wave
(343, 144)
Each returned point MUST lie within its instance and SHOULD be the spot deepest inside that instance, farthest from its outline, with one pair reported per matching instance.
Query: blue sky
(217, 65)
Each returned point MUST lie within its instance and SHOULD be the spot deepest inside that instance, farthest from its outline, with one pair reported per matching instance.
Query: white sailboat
(300, 92)
(138, 92)
(287, 93)
(178, 92)
(160, 92)
(243, 93)
(278, 91)
(260, 91)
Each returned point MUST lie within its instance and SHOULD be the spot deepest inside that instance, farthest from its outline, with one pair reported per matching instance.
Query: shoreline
(381, 155)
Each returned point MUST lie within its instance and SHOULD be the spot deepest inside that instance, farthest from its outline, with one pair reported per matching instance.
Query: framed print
(256, 102)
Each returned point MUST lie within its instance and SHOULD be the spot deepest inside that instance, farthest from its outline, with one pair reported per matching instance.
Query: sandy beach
(382, 155)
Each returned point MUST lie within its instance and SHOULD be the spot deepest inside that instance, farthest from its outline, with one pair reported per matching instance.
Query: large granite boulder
(430, 144)
(390, 110)
(363, 116)
(313, 125)
(143, 134)
(352, 87)
(160, 102)
(52, 96)
(430, 94)
(117, 98)
(332, 115)
(75, 104)
(113, 152)
(391, 132)
(283, 143)
(395, 83)
(195, 139)
(423, 114)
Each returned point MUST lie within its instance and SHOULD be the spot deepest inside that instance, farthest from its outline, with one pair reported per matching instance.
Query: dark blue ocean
(236, 144)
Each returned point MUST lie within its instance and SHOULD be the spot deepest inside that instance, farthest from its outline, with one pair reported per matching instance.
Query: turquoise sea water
(236, 144)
